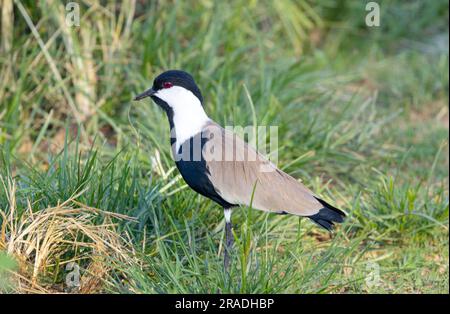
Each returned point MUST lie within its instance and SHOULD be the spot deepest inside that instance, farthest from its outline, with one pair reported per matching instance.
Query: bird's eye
(167, 85)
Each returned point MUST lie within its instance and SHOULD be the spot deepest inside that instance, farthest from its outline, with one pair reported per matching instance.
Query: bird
(221, 166)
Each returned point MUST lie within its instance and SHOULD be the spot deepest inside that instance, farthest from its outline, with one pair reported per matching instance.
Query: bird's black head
(166, 87)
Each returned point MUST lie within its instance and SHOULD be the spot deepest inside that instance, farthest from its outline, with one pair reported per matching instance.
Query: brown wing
(235, 169)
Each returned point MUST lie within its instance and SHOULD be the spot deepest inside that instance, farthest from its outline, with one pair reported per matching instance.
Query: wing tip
(328, 216)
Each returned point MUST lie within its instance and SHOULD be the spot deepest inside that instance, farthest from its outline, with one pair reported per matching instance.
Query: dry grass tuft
(45, 241)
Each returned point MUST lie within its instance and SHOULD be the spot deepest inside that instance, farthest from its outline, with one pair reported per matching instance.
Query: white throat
(189, 118)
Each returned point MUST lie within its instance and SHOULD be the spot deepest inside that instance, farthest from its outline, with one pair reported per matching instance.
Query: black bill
(145, 94)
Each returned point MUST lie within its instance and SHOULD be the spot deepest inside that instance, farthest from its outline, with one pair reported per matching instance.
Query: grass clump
(47, 227)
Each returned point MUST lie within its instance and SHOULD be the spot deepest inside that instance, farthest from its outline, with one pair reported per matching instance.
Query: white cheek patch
(173, 94)
(189, 118)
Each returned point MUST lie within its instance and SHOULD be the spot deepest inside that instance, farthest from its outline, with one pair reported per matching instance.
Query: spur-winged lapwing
(219, 165)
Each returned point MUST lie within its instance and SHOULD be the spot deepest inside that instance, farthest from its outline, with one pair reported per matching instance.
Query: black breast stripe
(192, 166)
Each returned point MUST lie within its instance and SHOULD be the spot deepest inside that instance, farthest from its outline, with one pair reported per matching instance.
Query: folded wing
(239, 172)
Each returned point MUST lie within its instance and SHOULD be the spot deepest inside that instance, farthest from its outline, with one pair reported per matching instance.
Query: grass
(87, 177)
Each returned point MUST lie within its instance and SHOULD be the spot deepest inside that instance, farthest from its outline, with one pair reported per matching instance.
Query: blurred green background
(86, 174)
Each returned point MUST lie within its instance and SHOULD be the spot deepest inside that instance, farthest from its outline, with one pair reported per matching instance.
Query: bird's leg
(229, 238)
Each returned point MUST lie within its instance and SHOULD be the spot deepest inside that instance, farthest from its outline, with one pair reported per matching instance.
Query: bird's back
(242, 176)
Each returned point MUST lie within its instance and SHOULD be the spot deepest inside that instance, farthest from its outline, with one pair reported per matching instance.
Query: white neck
(188, 121)
(189, 118)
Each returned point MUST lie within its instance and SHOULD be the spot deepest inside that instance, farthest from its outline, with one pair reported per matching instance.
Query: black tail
(327, 216)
